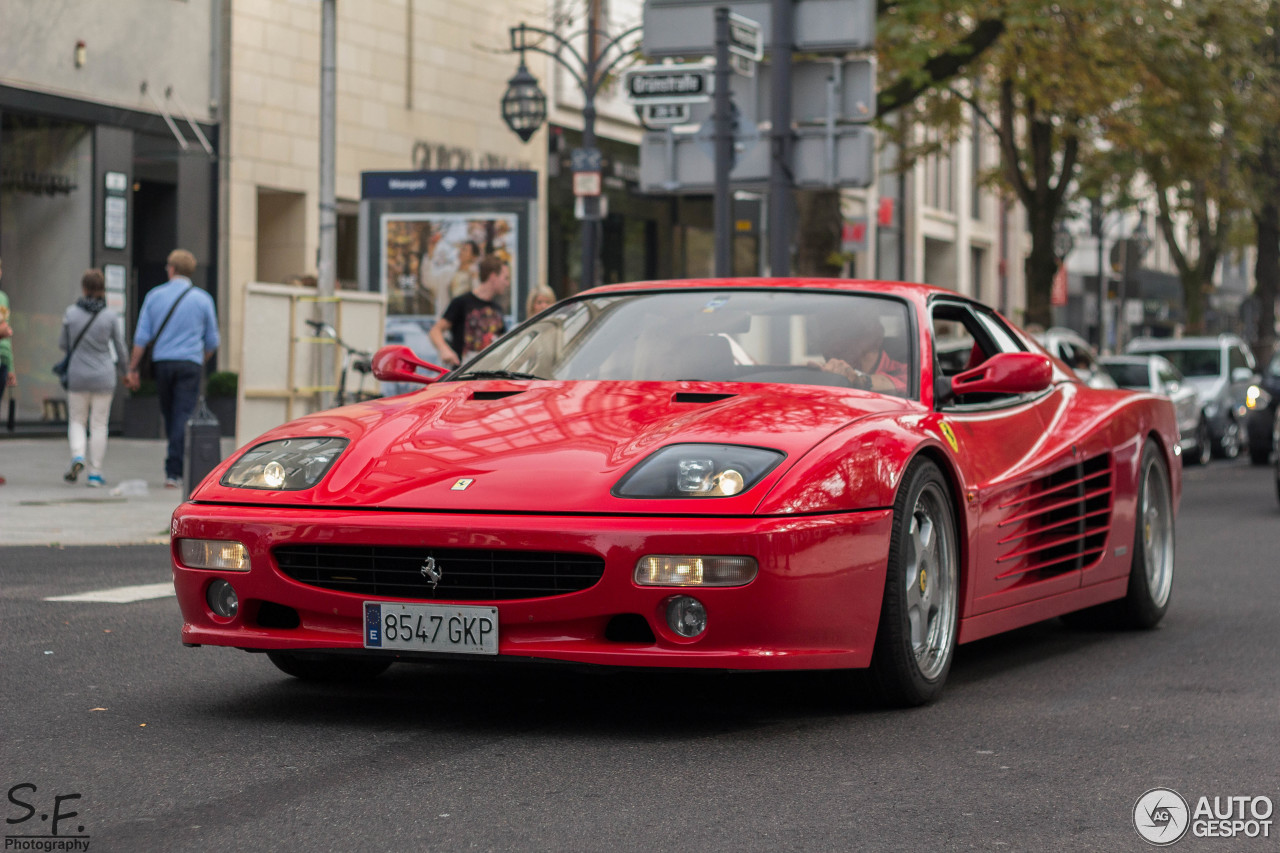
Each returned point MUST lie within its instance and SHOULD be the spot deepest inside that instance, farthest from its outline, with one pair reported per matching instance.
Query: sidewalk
(38, 508)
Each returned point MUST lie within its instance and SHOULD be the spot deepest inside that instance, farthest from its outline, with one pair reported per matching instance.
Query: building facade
(109, 145)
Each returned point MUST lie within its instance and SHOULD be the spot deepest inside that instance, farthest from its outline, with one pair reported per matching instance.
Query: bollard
(203, 447)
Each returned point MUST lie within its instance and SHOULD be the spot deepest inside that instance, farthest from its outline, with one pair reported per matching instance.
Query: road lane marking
(122, 594)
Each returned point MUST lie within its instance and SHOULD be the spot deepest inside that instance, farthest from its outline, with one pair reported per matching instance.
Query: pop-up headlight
(288, 464)
(698, 471)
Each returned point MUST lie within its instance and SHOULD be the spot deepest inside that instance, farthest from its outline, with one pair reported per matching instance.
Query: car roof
(1194, 342)
(903, 289)
(1129, 359)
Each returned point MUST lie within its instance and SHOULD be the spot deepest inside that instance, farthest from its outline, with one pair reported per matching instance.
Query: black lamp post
(524, 106)
(1136, 248)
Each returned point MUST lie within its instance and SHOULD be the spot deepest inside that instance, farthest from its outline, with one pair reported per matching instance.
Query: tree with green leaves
(1188, 129)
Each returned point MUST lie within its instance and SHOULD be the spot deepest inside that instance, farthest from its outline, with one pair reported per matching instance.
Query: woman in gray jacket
(91, 373)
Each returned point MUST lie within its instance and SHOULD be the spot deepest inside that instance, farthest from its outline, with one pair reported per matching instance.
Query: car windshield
(748, 335)
(1129, 375)
(1195, 362)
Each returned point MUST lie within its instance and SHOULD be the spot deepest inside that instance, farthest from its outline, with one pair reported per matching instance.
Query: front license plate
(431, 628)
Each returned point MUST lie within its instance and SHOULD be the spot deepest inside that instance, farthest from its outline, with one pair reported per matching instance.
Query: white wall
(165, 43)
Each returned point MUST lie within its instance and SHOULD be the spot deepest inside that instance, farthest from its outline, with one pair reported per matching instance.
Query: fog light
(686, 616)
(223, 554)
(222, 599)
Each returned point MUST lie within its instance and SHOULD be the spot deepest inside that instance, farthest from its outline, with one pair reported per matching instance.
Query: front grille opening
(272, 615)
(629, 628)
(439, 574)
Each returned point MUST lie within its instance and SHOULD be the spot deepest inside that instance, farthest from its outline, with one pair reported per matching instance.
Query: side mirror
(397, 363)
(1006, 373)
(1242, 374)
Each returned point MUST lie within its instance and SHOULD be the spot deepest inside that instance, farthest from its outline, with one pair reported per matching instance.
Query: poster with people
(432, 257)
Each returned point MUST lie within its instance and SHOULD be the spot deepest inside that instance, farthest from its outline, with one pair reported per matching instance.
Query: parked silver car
(1157, 374)
(1221, 369)
(1077, 354)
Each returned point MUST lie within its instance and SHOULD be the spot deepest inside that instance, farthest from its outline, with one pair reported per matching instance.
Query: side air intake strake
(1059, 523)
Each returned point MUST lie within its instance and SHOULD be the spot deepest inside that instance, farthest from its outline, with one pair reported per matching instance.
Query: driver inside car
(854, 349)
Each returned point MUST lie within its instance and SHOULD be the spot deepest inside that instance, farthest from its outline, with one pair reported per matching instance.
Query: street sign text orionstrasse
(672, 84)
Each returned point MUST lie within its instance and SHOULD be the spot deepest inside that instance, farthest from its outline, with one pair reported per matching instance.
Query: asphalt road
(1044, 739)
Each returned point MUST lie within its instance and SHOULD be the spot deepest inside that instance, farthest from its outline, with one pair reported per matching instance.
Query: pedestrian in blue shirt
(178, 322)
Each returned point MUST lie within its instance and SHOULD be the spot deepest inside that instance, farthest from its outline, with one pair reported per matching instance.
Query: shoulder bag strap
(93, 315)
(165, 322)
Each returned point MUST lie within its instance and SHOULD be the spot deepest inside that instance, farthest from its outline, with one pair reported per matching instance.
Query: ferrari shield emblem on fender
(949, 435)
(432, 572)
(461, 485)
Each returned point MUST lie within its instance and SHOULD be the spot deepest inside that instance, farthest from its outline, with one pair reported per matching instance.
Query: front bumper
(815, 603)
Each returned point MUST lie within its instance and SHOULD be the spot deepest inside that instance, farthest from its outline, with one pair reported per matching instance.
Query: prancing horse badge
(461, 485)
(432, 571)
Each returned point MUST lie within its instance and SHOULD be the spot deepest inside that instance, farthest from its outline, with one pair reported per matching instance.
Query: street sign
(586, 160)
(838, 157)
(1058, 290)
(689, 82)
(853, 98)
(744, 38)
(684, 163)
(845, 90)
(853, 235)
(586, 183)
(655, 114)
(591, 207)
(686, 28)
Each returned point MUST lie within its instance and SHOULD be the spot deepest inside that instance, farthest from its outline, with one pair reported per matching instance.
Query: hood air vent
(495, 395)
(696, 397)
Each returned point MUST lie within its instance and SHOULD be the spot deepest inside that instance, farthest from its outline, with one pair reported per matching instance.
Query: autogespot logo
(1161, 816)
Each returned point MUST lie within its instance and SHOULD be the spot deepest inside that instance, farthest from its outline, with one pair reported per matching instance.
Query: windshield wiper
(495, 374)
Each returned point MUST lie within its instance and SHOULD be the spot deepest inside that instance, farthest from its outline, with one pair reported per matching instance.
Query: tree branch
(940, 68)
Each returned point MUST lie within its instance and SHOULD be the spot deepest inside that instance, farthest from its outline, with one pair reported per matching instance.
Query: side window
(1237, 358)
(953, 346)
(962, 340)
(1000, 334)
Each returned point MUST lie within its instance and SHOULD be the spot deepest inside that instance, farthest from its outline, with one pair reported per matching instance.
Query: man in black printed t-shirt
(473, 320)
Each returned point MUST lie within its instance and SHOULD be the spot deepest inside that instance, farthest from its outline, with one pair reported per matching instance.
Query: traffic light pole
(723, 208)
(780, 172)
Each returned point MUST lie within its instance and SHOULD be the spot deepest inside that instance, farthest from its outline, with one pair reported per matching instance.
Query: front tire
(325, 668)
(1203, 450)
(916, 638)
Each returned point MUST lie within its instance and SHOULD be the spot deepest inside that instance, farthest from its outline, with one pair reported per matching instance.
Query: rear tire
(1151, 567)
(1151, 575)
(324, 668)
(916, 638)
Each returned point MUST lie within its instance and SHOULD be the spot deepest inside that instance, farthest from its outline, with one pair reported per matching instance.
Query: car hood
(1208, 387)
(550, 446)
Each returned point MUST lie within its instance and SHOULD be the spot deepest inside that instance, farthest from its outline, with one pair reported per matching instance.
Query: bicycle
(353, 359)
